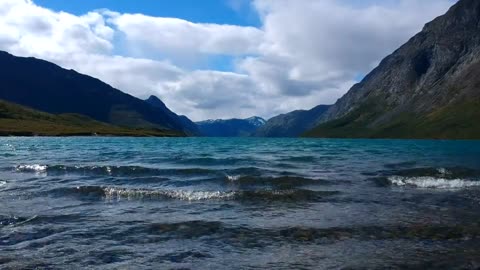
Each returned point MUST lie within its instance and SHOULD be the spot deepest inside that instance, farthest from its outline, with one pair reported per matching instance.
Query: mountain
(292, 124)
(428, 88)
(230, 127)
(17, 120)
(47, 87)
(189, 127)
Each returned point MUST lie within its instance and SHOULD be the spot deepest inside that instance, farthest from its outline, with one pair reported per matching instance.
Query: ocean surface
(211, 203)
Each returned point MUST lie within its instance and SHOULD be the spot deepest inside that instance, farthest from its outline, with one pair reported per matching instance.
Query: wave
(14, 220)
(233, 178)
(109, 170)
(440, 172)
(243, 176)
(435, 178)
(283, 182)
(117, 193)
(432, 182)
(3, 183)
(31, 168)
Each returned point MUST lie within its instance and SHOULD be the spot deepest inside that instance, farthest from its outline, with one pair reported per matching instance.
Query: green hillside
(16, 120)
(459, 121)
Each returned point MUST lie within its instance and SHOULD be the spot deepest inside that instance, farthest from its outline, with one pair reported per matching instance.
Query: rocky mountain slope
(428, 88)
(292, 124)
(230, 127)
(47, 87)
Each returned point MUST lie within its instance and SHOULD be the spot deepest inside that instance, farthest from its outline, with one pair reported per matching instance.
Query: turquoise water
(209, 203)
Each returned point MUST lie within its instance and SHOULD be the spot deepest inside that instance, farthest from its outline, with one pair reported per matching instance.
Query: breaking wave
(31, 168)
(116, 193)
(432, 182)
(435, 178)
(282, 182)
(232, 178)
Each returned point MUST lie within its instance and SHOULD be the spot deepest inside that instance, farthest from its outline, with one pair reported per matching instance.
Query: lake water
(206, 203)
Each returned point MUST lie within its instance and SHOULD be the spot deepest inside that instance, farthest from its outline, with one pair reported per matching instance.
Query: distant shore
(139, 134)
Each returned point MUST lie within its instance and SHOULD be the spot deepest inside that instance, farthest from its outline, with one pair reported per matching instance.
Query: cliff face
(428, 88)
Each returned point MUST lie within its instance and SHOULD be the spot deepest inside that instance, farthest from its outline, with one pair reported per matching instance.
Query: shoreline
(67, 135)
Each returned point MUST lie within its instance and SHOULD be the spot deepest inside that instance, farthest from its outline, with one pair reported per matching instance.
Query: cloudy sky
(218, 58)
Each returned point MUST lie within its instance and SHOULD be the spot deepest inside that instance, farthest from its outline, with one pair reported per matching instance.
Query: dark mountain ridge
(47, 87)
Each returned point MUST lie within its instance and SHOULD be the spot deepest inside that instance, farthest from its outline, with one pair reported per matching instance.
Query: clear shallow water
(206, 203)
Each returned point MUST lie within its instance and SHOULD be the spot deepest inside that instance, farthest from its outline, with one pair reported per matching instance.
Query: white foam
(3, 183)
(185, 195)
(233, 178)
(32, 168)
(432, 182)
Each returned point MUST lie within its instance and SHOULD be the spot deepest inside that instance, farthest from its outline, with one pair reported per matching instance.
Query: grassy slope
(460, 121)
(22, 121)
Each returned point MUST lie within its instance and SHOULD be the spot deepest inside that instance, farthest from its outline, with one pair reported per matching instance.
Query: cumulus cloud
(172, 35)
(41, 32)
(305, 53)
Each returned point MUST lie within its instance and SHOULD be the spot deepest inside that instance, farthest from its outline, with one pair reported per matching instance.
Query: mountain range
(428, 88)
(231, 127)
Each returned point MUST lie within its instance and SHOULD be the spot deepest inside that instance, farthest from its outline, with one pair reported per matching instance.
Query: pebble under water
(240, 203)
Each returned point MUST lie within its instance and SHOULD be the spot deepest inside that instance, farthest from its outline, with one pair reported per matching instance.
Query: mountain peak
(256, 120)
(155, 101)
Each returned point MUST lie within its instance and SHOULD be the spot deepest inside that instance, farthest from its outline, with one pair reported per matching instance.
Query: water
(206, 203)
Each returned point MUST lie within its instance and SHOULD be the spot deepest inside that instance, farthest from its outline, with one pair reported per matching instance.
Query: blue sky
(236, 12)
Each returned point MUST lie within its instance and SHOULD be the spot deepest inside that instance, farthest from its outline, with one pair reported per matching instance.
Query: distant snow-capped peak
(257, 121)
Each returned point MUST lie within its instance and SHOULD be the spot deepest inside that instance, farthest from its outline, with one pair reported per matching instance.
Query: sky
(214, 59)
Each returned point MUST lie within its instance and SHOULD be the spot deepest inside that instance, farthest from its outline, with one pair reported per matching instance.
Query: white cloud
(41, 32)
(172, 35)
(306, 53)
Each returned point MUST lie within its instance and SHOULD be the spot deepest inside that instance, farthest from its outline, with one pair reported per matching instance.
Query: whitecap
(432, 182)
(31, 168)
(185, 195)
(233, 178)
(3, 183)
